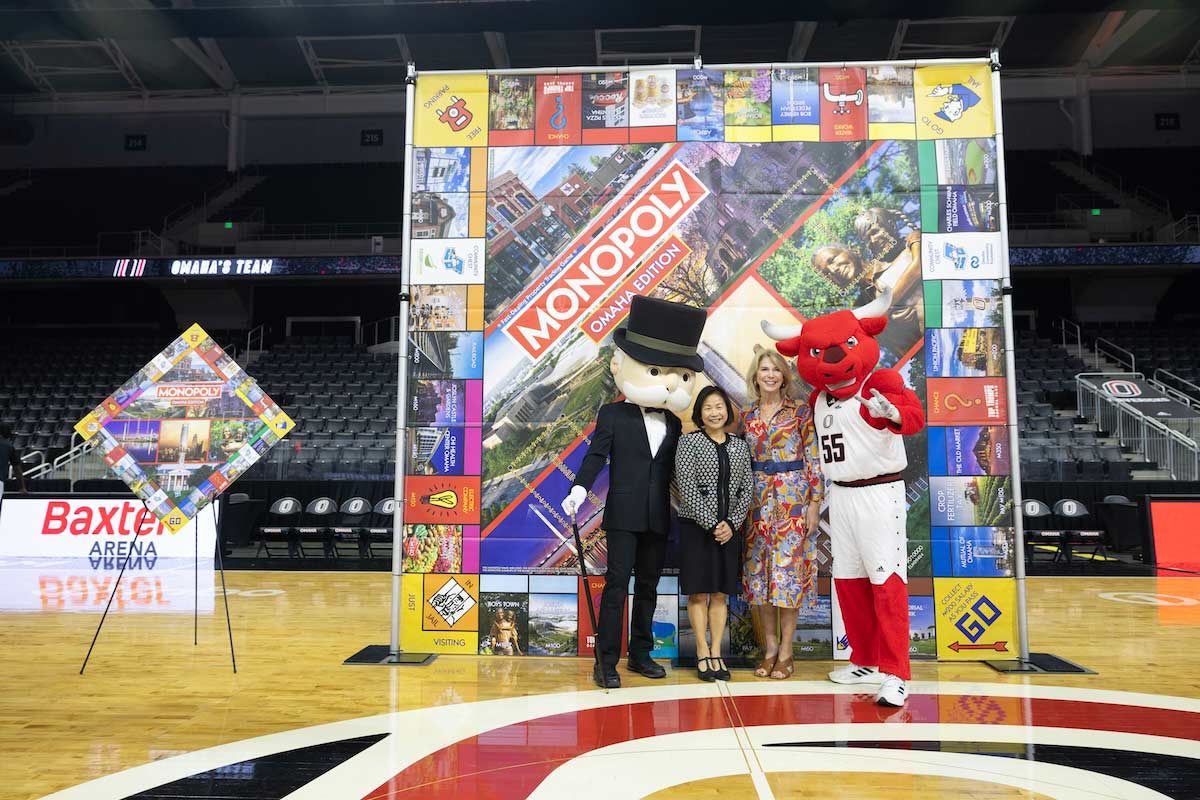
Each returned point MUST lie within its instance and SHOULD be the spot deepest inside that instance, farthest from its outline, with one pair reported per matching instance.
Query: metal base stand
(1043, 663)
(381, 655)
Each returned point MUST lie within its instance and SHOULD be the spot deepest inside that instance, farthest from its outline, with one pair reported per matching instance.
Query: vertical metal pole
(1010, 367)
(402, 374)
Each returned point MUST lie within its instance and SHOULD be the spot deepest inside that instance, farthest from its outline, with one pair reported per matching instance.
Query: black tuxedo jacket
(639, 485)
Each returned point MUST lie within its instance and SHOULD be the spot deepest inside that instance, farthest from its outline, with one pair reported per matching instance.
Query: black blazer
(639, 486)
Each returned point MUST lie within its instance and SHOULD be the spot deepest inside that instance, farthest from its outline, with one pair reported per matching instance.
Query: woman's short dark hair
(705, 393)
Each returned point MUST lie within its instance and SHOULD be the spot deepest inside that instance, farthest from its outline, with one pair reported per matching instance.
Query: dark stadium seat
(283, 513)
(314, 526)
(350, 527)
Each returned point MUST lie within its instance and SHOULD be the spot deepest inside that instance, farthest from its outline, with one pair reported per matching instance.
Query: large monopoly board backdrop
(542, 202)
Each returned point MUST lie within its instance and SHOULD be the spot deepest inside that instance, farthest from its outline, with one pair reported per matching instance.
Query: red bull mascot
(860, 414)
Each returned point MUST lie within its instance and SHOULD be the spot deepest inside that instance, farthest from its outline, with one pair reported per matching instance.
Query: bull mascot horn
(876, 308)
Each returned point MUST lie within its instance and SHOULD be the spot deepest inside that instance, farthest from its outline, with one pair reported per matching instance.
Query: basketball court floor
(155, 716)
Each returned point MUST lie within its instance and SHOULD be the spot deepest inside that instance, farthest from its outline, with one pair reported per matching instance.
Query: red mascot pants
(870, 565)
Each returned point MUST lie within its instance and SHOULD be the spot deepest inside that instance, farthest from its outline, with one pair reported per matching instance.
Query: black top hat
(662, 333)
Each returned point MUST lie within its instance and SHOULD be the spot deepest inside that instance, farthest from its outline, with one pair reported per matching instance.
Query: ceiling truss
(49, 62)
(622, 46)
(320, 64)
(949, 36)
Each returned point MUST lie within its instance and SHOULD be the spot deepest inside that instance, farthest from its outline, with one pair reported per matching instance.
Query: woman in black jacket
(712, 472)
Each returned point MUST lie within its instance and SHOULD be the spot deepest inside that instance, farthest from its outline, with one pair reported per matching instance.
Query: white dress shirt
(656, 428)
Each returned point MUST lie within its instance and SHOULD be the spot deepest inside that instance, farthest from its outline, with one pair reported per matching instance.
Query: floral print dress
(780, 561)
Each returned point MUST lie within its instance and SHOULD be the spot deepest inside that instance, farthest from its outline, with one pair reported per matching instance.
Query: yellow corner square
(451, 111)
(88, 427)
(174, 520)
(194, 335)
(413, 633)
(281, 425)
(976, 618)
(954, 102)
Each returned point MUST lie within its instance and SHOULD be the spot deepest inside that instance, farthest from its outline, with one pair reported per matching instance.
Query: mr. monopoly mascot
(655, 366)
(860, 414)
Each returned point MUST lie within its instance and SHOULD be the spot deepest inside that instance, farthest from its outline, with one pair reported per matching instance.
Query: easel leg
(225, 595)
(104, 616)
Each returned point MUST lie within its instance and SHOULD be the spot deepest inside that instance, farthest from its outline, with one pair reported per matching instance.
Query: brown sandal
(765, 667)
(785, 671)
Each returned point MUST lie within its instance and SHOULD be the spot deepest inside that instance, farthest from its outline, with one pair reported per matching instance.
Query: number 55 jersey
(852, 450)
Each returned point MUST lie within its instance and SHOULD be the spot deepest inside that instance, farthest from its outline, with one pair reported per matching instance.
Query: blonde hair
(780, 363)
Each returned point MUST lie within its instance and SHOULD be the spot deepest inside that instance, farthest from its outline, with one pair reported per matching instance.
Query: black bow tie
(648, 410)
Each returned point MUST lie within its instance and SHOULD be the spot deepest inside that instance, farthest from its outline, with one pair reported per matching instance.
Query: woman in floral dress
(780, 572)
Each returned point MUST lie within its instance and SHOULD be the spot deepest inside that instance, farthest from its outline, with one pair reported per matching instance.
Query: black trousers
(642, 555)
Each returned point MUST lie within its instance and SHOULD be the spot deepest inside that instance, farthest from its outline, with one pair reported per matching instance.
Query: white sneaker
(893, 693)
(853, 673)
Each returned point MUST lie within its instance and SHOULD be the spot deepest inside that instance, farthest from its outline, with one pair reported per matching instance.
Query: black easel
(196, 582)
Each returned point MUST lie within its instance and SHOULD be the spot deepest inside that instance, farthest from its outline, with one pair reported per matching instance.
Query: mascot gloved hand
(654, 366)
(860, 414)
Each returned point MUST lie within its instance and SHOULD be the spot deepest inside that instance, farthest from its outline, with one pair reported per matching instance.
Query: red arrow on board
(999, 647)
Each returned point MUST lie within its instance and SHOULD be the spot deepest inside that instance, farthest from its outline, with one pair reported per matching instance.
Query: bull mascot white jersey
(860, 414)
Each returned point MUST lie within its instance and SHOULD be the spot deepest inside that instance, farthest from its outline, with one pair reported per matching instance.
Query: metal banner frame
(394, 654)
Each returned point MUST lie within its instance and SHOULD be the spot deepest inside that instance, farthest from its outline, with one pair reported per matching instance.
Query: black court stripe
(268, 778)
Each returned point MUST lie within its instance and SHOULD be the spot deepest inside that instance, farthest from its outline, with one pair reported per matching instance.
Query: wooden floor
(148, 693)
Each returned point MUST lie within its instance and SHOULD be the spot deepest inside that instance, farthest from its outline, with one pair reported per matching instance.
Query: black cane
(587, 587)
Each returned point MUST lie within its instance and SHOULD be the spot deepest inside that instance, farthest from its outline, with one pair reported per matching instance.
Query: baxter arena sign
(83, 528)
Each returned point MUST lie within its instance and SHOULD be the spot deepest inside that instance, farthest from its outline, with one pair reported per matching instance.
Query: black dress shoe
(722, 672)
(646, 666)
(606, 678)
(706, 674)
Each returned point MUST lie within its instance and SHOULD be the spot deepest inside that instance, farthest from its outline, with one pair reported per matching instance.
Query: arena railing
(1181, 389)
(381, 331)
(1072, 334)
(1156, 441)
(1113, 351)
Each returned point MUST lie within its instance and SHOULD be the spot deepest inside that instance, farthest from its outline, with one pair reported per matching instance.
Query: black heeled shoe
(721, 672)
(707, 675)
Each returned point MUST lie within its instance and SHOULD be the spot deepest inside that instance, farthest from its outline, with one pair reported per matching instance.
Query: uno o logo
(1031, 507)
(1069, 508)
(1148, 599)
(287, 506)
(1122, 388)
(389, 506)
(323, 506)
(357, 505)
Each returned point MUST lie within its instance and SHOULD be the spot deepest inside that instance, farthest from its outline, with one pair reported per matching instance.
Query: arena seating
(343, 397)
(1169, 347)
(49, 383)
(344, 401)
(1055, 443)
